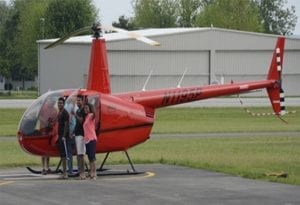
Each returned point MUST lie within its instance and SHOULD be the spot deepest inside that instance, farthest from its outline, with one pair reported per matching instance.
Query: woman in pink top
(90, 138)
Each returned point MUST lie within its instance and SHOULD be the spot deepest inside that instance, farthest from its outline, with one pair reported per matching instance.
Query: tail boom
(167, 97)
(175, 96)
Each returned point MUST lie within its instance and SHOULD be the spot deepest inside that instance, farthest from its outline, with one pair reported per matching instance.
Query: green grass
(250, 157)
(12, 155)
(9, 121)
(191, 120)
(204, 120)
(18, 95)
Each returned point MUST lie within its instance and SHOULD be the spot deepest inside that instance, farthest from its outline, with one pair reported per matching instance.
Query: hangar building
(209, 55)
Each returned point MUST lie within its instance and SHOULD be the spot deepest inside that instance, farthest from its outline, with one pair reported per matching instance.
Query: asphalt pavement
(15, 103)
(157, 184)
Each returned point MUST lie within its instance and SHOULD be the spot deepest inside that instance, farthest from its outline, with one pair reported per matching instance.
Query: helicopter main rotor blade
(133, 35)
(63, 39)
(108, 28)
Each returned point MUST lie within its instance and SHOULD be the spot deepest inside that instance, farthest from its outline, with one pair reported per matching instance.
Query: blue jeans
(70, 148)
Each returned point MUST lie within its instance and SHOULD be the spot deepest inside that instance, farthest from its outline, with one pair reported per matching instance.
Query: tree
(63, 17)
(29, 31)
(187, 11)
(4, 9)
(206, 2)
(9, 59)
(18, 40)
(26, 22)
(232, 14)
(3, 13)
(277, 19)
(125, 23)
(155, 13)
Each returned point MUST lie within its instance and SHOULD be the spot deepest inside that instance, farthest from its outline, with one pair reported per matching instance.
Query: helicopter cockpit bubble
(40, 118)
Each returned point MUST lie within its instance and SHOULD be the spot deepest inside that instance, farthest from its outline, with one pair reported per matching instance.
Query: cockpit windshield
(40, 118)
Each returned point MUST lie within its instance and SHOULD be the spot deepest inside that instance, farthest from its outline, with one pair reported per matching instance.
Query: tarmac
(157, 184)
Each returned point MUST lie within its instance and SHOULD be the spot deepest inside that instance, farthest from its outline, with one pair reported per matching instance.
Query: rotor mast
(98, 77)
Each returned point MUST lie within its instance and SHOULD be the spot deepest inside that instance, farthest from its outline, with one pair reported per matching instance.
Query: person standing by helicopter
(79, 133)
(63, 134)
(47, 118)
(71, 107)
(90, 138)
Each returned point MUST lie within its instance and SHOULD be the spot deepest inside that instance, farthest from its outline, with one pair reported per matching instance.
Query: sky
(111, 10)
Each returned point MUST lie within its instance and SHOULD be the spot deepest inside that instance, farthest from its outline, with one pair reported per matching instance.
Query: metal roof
(86, 39)
(121, 36)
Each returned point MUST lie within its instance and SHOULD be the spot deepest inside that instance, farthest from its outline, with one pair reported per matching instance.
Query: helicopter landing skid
(34, 171)
(101, 170)
(109, 172)
(56, 171)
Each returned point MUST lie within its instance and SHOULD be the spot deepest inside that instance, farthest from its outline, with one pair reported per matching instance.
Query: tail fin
(276, 93)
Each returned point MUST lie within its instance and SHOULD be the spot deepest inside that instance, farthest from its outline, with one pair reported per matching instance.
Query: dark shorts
(91, 150)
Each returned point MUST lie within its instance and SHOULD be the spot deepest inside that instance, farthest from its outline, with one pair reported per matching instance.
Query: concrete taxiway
(158, 184)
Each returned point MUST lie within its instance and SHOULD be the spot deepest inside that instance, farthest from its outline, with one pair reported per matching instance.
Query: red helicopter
(125, 120)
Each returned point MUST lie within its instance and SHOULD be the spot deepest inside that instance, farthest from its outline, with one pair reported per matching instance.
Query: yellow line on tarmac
(148, 174)
(7, 182)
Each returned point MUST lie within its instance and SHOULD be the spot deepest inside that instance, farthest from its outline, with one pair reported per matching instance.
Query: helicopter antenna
(255, 114)
(147, 80)
(181, 79)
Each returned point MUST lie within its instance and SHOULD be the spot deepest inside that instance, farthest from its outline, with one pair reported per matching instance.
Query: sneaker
(82, 177)
(44, 172)
(64, 176)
